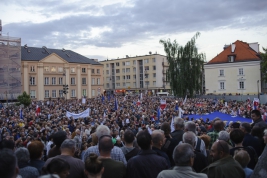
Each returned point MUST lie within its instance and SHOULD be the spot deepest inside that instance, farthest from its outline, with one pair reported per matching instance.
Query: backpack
(198, 145)
(132, 153)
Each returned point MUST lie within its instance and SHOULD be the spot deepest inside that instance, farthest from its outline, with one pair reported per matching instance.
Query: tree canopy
(185, 72)
(264, 64)
(24, 99)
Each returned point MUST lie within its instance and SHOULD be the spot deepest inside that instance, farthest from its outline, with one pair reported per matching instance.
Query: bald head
(219, 150)
(105, 145)
(190, 138)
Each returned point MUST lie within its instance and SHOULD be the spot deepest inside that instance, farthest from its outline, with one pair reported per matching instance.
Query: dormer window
(231, 58)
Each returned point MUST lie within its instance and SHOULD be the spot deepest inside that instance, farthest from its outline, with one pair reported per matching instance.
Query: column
(26, 78)
(79, 82)
(40, 81)
(67, 79)
(89, 84)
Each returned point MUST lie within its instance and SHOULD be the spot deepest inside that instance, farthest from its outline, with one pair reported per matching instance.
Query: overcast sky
(114, 28)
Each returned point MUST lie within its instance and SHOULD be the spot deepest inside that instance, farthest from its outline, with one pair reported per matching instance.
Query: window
(46, 93)
(240, 71)
(128, 84)
(221, 72)
(107, 65)
(154, 75)
(117, 64)
(123, 77)
(134, 69)
(93, 71)
(107, 72)
(123, 84)
(98, 81)
(147, 83)
(154, 83)
(241, 85)
(32, 94)
(231, 58)
(32, 69)
(128, 77)
(32, 80)
(93, 81)
(60, 93)
(60, 69)
(153, 59)
(54, 81)
(134, 76)
(146, 75)
(222, 85)
(83, 70)
(146, 67)
(107, 79)
(60, 80)
(98, 71)
(93, 92)
(134, 62)
(154, 67)
(127, 63)
(118, 77)
(54, 93)
(46, 81)
(73, 93)
(72, 81)
(127, 70)
(134, 84)
(53, 69)
(107, 85)
(118, 84)
(83, 81)
(46, 68)
(123, 70)
(72, 70)
(146, 61)
(84, 92)
(117, 70)
(123, 63)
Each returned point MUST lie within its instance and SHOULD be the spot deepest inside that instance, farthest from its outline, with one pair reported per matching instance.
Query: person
(8, 144)
(199, 145)
(223, 164)
(25, 170)
(200, 161)
(116, 152)
(225, 136)
(57, 168)
(49, 144)
(179, 129)
(128, 149)
(58, 139)
(183, 157)
(36, 152)
(68, 148)
(146, 164)
(112, 167)
(8, 164)
(242, 157)
(158, 139)
(265, 136)
(257, 120)
(94, 167)
(77, 137)
(217, 127)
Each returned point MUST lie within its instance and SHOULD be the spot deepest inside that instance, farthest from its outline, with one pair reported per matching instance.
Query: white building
(235, 70)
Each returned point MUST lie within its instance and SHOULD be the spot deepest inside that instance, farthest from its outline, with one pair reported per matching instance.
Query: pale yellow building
(45, 71)
(140, 73)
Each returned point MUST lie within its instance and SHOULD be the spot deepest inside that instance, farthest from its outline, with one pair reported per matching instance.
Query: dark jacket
(168, 147)
(163, 154)
(200, 162)
(259, 123)
(147, 164)
(225, 167)
(178, 135)
(249, 140)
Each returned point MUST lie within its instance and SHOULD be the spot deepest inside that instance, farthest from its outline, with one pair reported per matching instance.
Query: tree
(185, 66)
(264, 64)
(24, 99)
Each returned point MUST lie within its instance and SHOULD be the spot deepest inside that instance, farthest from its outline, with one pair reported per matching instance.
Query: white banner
(80, 115)
(83, 101)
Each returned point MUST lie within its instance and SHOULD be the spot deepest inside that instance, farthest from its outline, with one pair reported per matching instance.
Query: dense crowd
(129, 136)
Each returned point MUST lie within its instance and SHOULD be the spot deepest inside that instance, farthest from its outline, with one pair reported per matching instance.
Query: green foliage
(264, 64)
(24, 99)
(185, 66)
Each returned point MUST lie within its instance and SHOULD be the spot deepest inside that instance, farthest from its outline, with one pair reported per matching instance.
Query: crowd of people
(130, 136)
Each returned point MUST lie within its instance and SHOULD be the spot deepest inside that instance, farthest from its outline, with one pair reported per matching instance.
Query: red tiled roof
(242, 53)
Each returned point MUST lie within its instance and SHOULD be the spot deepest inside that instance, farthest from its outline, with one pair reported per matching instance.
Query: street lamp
(242, 88)
(258, 89)
(146, 81)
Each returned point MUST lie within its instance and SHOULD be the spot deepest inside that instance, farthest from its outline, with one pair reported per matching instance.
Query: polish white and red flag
(256, 103)
(38, 110)
(162, 104)
(138, 103)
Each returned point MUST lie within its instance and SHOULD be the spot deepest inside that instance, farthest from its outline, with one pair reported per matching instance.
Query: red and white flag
(162, 104)
(138, 103)
(256, 103)
(38, 110)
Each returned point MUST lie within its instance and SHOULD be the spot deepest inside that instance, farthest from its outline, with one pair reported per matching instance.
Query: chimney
(233, 48)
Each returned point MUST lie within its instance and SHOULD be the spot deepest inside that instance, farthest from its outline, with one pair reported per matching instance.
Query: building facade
(136, 74)
(236, 70)
(45, 71)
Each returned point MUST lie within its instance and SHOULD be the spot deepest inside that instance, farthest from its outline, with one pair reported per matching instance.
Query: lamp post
(258, 89)
(146, 82)
(242, 88)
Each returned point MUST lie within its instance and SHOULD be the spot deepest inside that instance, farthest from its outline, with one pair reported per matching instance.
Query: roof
(37, 54)
(132, 57)
(243, 53)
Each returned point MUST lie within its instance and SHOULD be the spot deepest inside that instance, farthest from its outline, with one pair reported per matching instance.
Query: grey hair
(182, 154)
(223, 135)
(190, 126)
(22, 154)
(68, 144)
(179, 122)
(102, 130)
(190, 138)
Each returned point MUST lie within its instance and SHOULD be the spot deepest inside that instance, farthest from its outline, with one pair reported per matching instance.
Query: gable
(53, 58)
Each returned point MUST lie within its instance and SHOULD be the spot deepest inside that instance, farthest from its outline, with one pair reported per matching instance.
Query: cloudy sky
(114, 28)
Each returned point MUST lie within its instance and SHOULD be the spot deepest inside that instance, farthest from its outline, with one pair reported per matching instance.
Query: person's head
(245, 127)
(206, 140)
(237, 136)
(178, 123)
(59, 137)
(219, 150)
(9, 144)
(265, 136)
(242, 157)
(58, 166)
(255, 115)
(102, 130)
(257, 132)
(68, 147)
(22, 154)
(105, 145)
(166, 128)
(218, 125)
(223, 135)
(36, 149)
(144, 140)
(158, 138)
(190, 138)
(77, 131)
(93, 166)
(8, 164)
(190, 126)
(183, 155)
(128, 136)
